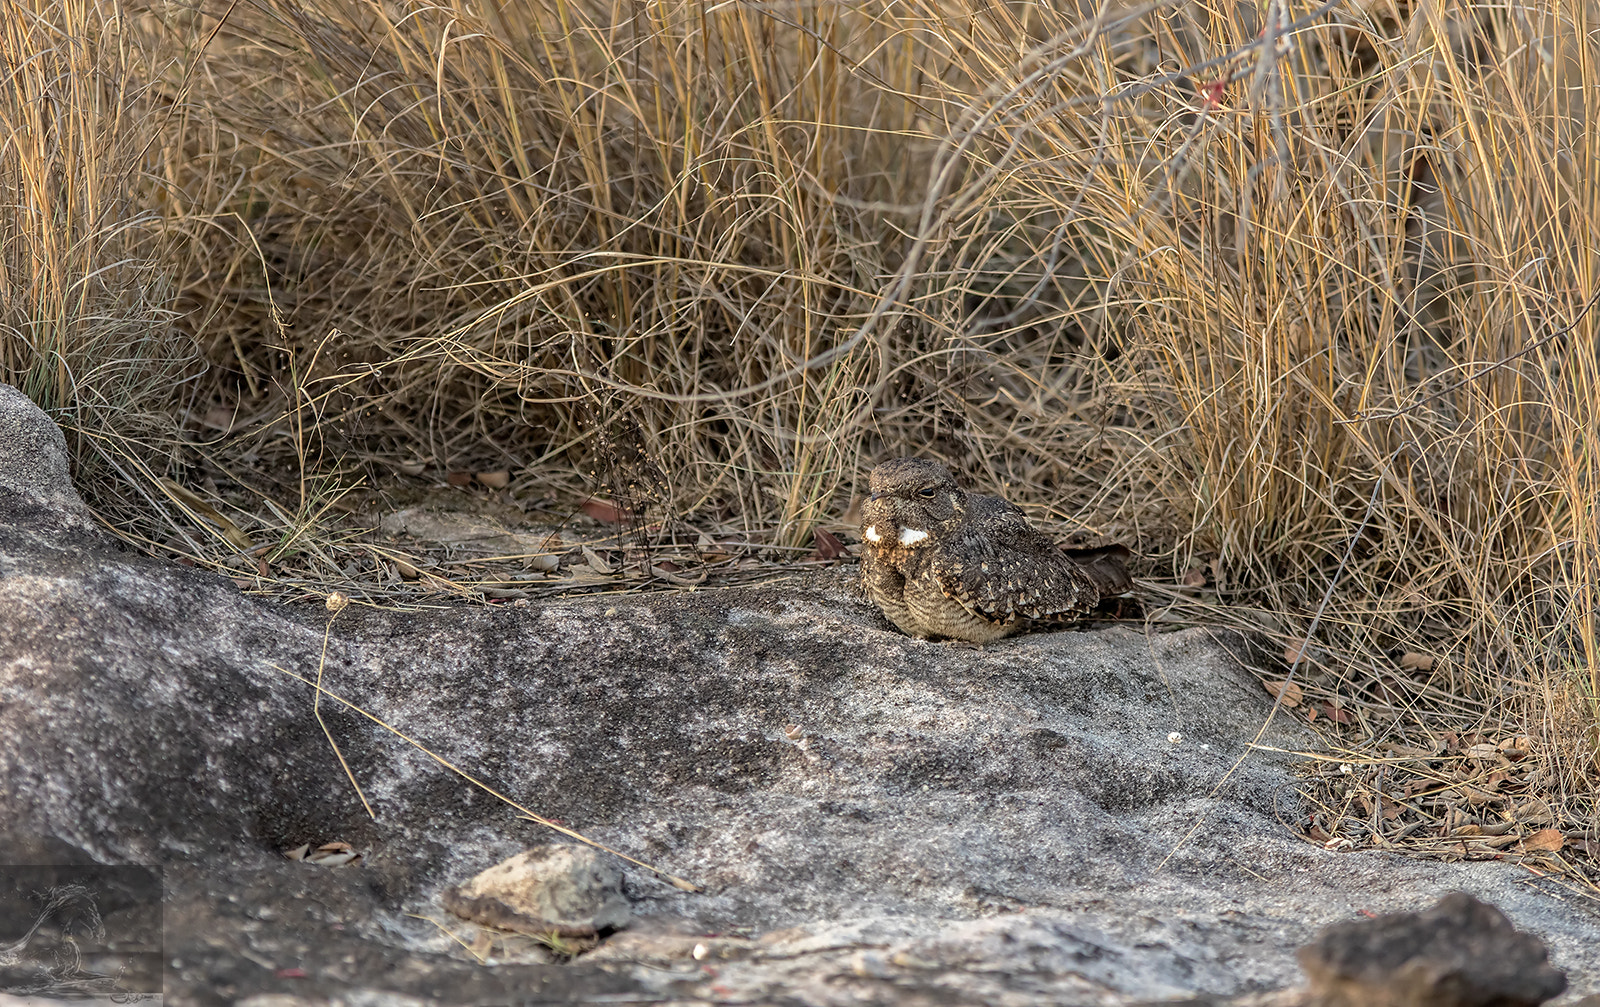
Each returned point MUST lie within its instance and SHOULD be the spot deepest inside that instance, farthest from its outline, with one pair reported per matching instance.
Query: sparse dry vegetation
(1294, 300)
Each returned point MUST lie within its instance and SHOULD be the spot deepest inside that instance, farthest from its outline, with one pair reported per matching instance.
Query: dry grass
(1295, 306)
(86, 315)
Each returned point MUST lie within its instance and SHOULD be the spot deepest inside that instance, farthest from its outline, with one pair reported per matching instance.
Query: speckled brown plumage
(941, 562)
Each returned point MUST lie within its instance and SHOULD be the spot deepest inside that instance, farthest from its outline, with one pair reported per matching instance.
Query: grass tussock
(1294, 300)
(86, 319)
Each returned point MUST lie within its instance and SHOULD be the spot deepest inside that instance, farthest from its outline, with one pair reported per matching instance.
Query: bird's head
(910, 496)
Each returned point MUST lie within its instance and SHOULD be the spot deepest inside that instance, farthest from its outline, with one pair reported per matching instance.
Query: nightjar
(942, 562)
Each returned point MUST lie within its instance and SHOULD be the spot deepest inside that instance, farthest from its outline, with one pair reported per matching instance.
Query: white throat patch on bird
(909, 537)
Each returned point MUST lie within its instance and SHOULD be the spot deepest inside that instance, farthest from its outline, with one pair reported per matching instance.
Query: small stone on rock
(557, 888)
(1460, 953)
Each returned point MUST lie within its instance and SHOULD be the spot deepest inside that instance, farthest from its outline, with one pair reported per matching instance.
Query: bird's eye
(928, 492)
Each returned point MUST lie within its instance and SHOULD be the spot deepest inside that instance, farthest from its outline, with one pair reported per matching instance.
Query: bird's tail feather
(1107, 566)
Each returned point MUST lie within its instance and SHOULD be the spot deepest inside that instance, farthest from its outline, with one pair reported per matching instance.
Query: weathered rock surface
(34, 464)
(870, 818)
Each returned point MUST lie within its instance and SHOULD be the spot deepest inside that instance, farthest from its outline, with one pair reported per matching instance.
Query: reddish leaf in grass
(1388, 689)
(497, 480)
(1195, 576)
(1545, 840)
(828, 544)
(605, 511)
(458, 479)
(1335, 714)
(1289, 692)
(262, 568)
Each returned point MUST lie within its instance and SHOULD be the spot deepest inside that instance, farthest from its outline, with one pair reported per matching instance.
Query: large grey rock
(34, 465)
(869, 818)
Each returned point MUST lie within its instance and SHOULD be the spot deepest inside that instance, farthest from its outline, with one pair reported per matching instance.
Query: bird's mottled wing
(1003, 568)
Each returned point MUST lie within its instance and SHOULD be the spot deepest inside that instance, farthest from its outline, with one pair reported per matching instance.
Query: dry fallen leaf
(333, 855)
(828, 544)
(669, 572)
(1546, 840)
(604, 511)
(1195, 576)
(1535, 812)
(596, 562)
(1412, 661)
(1387, 690)
(458, 479)
(1298, 651)
(495, 480)
(1335, 714)
(1291, 693)
(711, 551)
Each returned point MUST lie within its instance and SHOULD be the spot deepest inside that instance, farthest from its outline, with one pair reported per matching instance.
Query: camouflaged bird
(941, 562)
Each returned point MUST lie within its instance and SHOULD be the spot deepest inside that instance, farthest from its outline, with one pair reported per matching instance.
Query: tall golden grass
(86, 319)
(1299, 296)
